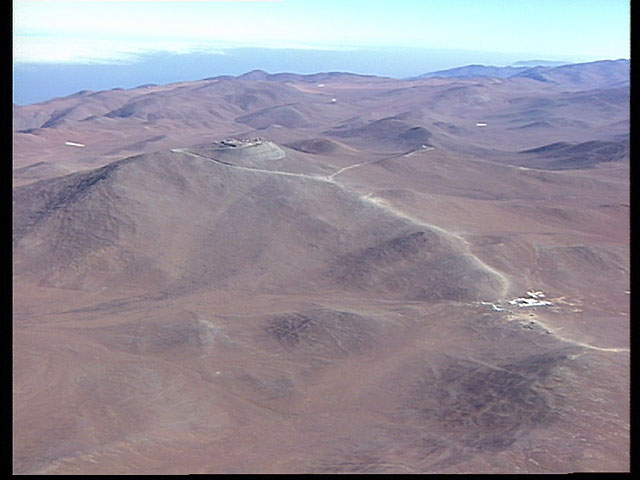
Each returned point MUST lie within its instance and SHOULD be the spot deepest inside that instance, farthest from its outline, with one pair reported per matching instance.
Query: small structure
(529, 302)
(481, 124)
(494, 307)
(333, 100)
(534, 299)
(235, 142)
(535, 294)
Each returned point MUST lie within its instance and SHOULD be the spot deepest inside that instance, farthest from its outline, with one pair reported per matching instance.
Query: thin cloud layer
(600, 31)
(73, 50)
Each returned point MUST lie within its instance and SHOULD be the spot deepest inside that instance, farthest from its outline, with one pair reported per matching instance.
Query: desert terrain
(281, 273)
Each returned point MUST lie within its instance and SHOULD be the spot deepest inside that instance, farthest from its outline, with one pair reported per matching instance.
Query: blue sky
(107, 31)
(61, 47)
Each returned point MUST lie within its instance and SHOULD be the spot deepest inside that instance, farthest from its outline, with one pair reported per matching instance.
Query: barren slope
(242, 275)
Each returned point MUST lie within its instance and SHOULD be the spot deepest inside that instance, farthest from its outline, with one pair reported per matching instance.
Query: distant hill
(348, 112)
(388, 134)
(471, 71)
(600, 74)
(261, 75)
(563, 156)
(538, 63)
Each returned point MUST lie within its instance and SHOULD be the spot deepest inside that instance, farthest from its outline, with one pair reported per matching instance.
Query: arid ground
(324, 273)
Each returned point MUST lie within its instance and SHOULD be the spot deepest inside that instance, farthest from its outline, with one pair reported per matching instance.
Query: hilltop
(327, 273)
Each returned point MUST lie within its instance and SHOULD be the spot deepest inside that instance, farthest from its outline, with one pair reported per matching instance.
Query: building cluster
(246, 142)
(533, 299)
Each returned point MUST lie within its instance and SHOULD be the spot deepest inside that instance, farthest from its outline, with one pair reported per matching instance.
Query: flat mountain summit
(328, 273)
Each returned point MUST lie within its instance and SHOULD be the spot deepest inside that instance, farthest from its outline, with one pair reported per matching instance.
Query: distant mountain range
(470, 71)
(599, 74)
(261, 75)
(538, 63)
(603, 74)
(324, 273)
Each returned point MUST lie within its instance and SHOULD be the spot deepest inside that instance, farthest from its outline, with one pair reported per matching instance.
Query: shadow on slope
(385, 135)
(564, 156)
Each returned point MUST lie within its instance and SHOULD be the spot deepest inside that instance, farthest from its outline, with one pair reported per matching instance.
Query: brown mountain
(329, 273)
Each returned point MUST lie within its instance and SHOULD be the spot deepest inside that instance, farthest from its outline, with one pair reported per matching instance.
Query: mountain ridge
(543, 73)
(325, 274)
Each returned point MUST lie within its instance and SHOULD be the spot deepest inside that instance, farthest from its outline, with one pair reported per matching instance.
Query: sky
(49, 34)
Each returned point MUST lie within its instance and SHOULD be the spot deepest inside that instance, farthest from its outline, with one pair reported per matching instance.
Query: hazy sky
(108, 31)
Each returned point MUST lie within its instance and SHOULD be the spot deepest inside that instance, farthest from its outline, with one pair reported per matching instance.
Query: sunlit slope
(180, 222)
